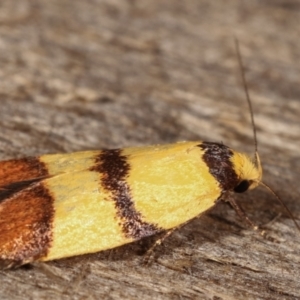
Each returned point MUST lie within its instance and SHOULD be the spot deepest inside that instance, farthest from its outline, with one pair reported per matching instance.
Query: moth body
(61, 205)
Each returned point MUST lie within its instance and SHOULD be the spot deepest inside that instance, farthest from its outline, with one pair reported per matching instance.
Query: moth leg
(148, 256)
(241, 213)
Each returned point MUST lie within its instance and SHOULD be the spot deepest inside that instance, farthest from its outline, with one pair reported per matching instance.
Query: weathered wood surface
(77, 75)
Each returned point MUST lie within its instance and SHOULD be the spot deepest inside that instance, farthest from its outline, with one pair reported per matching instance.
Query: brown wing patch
(17, 170)
(25, 226)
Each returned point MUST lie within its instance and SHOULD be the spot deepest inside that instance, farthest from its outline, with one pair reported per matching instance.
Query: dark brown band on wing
(217, 157)
(26, 221)
(114, 169)
(24, 169)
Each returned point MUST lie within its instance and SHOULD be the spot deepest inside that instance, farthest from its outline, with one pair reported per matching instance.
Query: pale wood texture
(78, 75)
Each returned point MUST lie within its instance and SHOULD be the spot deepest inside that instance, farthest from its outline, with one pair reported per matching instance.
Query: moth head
(248, 171)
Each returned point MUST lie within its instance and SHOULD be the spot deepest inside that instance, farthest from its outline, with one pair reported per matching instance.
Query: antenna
(256, 158)
(237, 48)
(281, 202)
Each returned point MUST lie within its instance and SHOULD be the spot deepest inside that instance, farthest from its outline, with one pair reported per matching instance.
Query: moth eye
(242, 186)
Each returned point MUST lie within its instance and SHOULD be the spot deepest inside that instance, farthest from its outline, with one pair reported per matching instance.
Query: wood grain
(78, 75)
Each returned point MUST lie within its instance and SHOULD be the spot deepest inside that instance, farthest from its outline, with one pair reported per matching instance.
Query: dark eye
(242, 186)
